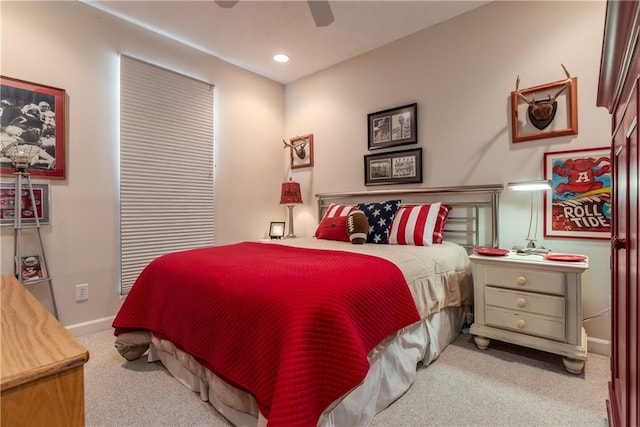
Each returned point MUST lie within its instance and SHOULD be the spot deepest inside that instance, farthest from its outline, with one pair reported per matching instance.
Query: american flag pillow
(334, 223)
(380, 215)
(419, 225)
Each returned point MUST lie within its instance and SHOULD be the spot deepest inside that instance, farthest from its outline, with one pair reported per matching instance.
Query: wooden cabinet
(618, 91)
(532, 302)
(42, 364)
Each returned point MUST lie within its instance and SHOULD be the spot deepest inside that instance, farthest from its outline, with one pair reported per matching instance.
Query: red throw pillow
(334, 223)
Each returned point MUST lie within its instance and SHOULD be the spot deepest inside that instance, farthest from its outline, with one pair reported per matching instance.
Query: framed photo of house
(276, 230)
(397, 167)
(33, 124)
(546, 111)
(8, 200)
(301, 151)
(393, 127)
(579, 202)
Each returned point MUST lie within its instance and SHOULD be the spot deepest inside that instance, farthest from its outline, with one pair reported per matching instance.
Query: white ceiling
(250, 33)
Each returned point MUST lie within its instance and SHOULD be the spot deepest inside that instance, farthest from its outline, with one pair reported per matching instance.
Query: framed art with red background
(579, 202)
(32, 120)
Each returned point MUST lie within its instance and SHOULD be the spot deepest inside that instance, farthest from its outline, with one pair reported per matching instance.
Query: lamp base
(290, 235)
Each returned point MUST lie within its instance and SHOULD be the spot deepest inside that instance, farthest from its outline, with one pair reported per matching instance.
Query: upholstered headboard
(473, 220)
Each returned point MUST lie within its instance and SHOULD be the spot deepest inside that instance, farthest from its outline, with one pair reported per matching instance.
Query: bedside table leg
(573, 366)
(481, 342)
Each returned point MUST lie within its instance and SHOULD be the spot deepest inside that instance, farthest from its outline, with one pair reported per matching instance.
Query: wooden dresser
(42, 364)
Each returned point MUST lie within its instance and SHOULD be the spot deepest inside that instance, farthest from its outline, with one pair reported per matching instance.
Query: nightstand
(529, 301)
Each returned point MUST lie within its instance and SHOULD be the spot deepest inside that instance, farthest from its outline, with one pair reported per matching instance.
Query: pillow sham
(333, 225)
(419, 225)
(380, 216)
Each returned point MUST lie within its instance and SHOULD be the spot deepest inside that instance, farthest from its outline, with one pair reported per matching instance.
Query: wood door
(623, 389)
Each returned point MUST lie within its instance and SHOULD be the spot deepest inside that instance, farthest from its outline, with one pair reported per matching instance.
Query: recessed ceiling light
(280, 57)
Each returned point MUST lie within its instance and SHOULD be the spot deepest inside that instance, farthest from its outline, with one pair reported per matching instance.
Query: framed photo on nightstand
(276, 230)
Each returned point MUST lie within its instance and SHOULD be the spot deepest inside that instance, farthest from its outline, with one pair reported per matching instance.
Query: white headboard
(472, 222)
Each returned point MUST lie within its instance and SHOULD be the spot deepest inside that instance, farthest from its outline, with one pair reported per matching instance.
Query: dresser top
(533, 261)
(34, 343)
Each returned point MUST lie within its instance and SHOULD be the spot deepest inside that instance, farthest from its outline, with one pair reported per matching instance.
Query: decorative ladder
(18, 227)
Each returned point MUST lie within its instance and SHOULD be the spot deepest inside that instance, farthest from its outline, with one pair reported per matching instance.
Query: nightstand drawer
(547, 327)
(547, 305)
(523, 279)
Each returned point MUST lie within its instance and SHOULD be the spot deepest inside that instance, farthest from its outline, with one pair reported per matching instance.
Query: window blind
(166, 165)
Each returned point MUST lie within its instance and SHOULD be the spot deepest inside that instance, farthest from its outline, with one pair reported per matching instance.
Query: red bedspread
(292, 326)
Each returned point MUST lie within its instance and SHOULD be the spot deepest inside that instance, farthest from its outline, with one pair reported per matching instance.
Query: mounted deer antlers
(542, 112)
(298, 146)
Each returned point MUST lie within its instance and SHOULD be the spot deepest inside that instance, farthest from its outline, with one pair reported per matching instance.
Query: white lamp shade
(530, 185)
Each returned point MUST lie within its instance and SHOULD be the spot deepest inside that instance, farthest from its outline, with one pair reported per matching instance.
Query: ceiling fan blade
(321, 11)
(226, 4)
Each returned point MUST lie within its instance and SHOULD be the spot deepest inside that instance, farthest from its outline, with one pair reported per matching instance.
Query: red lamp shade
(290, 194)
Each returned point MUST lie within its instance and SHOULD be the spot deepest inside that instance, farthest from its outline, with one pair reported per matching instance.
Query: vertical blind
(166, 165)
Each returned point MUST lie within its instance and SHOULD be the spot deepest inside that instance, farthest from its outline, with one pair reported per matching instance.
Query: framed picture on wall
(32, 123)
(8, 199)
(397, 167)
(579, 202)
(393, 127)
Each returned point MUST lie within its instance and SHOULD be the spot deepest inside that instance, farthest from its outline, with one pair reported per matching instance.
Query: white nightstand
(529, 301)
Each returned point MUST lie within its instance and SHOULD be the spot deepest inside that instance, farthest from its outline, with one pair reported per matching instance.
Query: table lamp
(290, 196)
(532, 187)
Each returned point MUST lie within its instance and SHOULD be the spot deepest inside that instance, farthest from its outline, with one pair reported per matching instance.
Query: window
(166, 165)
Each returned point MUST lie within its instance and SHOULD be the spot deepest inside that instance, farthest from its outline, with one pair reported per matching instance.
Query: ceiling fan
(320, 10)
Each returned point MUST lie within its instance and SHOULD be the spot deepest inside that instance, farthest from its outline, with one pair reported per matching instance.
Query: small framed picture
(276, 230)
(397, 167)
(31, 269)
(393, 127)
(33, 124)
(29, 212)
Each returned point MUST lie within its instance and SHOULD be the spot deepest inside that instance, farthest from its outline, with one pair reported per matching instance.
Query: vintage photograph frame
(578, 205)
(276, 230)
(565, 121)
(33, 122)
(7, 203)
(395, 167)
(301, 151)
(393, 127)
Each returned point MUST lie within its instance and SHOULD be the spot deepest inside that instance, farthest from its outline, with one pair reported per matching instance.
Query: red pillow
(419, 225)
(334, 223)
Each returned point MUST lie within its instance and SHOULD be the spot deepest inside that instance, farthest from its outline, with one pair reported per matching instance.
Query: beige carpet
(505, 385)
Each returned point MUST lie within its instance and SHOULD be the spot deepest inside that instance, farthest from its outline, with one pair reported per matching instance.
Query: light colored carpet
(505, 385)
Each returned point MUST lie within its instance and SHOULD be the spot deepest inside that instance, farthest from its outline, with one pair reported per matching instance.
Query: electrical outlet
(82, 292)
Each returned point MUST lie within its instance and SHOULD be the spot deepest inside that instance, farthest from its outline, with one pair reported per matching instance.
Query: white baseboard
(90, 327)
(598, 346)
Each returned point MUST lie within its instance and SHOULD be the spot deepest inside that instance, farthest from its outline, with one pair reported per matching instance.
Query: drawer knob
(521, 280)
(520, 324)
(521, 302)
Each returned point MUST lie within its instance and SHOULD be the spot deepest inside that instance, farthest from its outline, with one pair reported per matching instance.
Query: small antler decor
(542, 112)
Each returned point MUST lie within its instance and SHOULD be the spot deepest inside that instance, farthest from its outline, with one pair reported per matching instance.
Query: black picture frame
(393, 127)
(276, 230)
(395, 167)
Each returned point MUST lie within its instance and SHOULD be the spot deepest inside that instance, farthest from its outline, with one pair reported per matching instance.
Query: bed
(315, 331)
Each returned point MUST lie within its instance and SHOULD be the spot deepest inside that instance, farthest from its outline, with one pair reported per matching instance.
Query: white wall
(461, 74)
(76, 47)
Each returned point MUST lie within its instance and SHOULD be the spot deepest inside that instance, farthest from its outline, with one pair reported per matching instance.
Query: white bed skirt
(393, 369)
